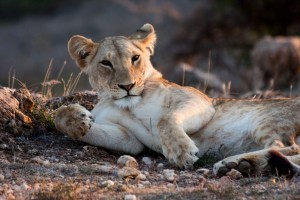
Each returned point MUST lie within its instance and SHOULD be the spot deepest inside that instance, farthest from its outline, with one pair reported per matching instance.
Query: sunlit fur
(180, 122)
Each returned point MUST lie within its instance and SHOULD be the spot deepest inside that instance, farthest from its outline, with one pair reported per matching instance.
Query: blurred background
(207, 44)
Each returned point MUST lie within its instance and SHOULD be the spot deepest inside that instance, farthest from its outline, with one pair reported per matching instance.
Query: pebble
(145, 182)
(145, 172)
(38, 160)
(108, 183)
(170, 185)
(141, 177)
(103, 168)
(127, 161)
(4, 146)
(24, 186)
(185, 174)
(169, 174)
(130, 197)
(160, 176)
(61, 165)
(234, 174)
(160, 165)
(46, 163)
(33, 151)
(2, 177)
(204, 172)
(126, 172)
(225, 181)
(10, 197)
(147, 161)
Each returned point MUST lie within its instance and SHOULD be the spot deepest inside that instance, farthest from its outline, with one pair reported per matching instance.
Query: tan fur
(139, 108)
(276, 59)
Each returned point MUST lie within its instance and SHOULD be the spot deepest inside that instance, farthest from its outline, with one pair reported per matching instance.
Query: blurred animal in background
(276, 62)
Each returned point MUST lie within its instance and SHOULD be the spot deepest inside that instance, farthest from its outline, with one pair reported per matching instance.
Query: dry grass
(69, 86)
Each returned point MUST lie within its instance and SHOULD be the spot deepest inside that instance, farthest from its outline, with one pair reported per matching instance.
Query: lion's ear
(81, 49)
(146, 35)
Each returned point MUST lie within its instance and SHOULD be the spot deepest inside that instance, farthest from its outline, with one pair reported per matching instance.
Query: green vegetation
(43, 116)
(206, 160)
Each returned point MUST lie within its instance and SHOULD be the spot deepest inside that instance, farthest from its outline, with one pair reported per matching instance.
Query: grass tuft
(43, 115)
(206, 160)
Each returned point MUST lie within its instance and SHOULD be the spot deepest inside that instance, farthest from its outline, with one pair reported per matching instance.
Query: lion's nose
(127, 87)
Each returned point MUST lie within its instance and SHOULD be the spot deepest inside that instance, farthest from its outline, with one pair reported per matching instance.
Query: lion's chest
(150, 112)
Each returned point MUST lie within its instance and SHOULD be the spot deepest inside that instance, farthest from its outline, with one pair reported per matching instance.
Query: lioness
(138, 108)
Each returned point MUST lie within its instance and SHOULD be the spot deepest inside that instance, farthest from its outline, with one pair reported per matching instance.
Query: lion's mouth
(129, 96)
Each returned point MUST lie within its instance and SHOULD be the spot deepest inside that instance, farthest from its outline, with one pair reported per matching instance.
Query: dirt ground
(38, 162)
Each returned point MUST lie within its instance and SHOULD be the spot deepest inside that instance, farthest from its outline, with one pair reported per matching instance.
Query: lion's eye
(135, 58)
(106, 63)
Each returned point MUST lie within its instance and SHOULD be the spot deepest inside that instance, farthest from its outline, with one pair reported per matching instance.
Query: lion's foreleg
(176, 144)
(113, 137)
(76, 122)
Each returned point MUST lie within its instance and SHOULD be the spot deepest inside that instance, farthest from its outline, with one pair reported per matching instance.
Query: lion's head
(118, 66)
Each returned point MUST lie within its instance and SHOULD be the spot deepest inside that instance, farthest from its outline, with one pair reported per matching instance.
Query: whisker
(148, 87)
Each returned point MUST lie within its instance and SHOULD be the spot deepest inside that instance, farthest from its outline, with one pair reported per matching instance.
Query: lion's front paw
(222, 167)
(73, 120)
(181, 153)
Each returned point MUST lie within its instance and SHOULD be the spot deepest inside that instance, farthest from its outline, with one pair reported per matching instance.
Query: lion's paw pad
(222, 167)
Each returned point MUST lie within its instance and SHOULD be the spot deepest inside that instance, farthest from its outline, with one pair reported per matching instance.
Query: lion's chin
(128, 102)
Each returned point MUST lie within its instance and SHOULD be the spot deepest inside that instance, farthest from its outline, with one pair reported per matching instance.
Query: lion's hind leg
(281, 164)
(275, 160)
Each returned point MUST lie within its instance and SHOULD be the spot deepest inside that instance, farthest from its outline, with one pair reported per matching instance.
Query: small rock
(202, 171)
(130, 197)
(140, 185)
(103, 168)
(141, 177)
(225, 181)
(1, 177)
(147, 161)
(70, 170)
(127, 172)
(234, 174)
(145, 182)
(61, 165)
(127, 161)
(4, 146)
(170, 185)
(169, 174)
(145, 172)
(10, 196)
(24, 186)
(33, 151)
(108, 183)
(46, 163)
(38, 160)
(160, 165)
(160, 176)
(185, 174)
